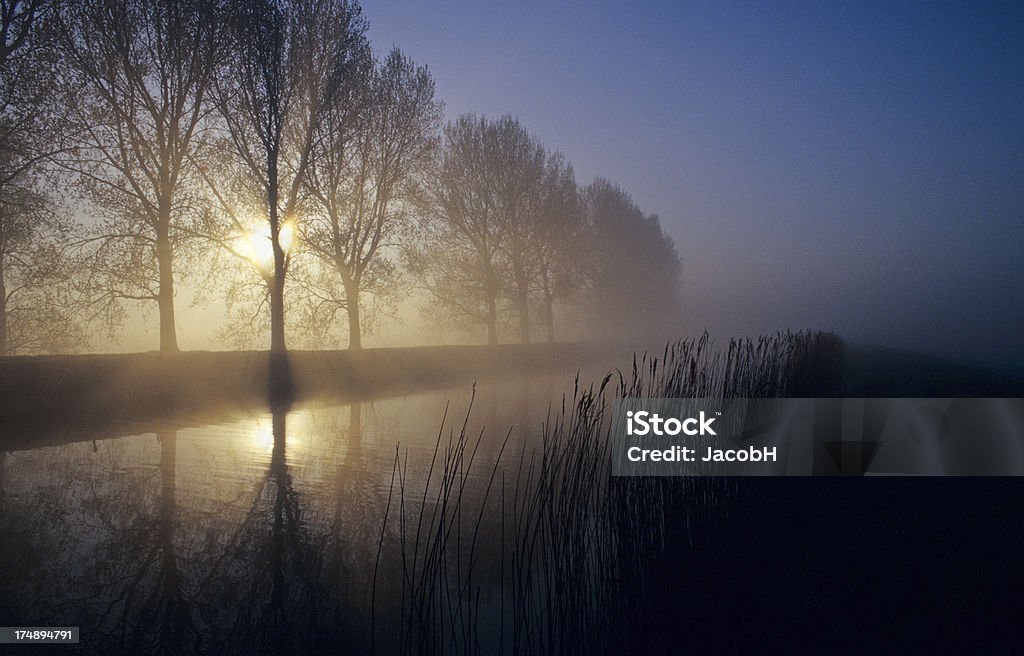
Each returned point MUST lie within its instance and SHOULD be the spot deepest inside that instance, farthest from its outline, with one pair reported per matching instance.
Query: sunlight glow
(287, 235)
(262, 435)
(257, 247)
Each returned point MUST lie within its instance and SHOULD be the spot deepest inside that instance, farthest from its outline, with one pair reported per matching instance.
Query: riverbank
(879, 372)
(71, 397)
(38, 391)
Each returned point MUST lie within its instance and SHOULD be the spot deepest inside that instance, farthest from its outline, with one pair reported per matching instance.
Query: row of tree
(142, 141)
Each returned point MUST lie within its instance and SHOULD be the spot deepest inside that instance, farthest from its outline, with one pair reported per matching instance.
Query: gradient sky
(851, 166)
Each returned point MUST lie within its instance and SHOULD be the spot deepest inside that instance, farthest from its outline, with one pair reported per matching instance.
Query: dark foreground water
(262, 533)
(259, 533)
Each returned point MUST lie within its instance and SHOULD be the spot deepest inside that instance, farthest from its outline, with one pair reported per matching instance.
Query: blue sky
(854, 166)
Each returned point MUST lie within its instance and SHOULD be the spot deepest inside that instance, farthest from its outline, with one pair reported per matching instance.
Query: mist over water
(259, 530)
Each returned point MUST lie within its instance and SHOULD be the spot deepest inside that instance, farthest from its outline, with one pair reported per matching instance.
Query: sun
(256, 245)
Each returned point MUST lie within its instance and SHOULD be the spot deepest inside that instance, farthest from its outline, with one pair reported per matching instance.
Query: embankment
(39, 393)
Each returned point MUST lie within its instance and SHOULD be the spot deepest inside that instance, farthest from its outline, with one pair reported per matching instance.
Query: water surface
(258, 532)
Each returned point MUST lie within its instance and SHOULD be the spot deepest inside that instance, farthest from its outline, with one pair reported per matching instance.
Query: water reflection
(256, 535)
(166, 615)
(276, 598)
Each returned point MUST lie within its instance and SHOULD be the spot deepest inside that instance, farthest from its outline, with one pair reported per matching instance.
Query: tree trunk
(492, 315)
(355, 339)
(277, 343)
(549, 317)
(3, 313)
(165, 298)
(522, 301)
(281, 390)
(549, 304)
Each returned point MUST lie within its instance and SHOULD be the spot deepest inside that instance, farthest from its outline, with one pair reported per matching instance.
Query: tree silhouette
(139, 73)
(289, 63)
(236, 136)
(558, 250)
(36, 303)
(501, 221)
(459, 258)
(373, 152)
(633, 279)
(517, 173)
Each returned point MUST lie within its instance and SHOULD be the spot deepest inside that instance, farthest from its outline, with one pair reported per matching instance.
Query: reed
(544, 551)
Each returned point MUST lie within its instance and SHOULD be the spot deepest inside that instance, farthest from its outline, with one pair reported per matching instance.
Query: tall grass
(544, 551)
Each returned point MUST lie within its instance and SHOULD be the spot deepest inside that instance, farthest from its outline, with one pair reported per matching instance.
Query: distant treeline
(263, 152)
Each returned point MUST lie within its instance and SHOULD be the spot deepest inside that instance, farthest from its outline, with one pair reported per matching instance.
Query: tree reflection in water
(249, 572)
(165, 618)
(258, 535)
(268, 597)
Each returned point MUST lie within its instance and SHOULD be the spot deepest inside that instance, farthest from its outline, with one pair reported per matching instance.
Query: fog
(239, 201)
(851, 167)
(576, 172)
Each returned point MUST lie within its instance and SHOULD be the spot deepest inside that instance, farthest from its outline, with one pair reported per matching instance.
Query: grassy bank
(37, 392)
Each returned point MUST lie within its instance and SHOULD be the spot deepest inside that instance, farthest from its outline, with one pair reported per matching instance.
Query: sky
(853, 166)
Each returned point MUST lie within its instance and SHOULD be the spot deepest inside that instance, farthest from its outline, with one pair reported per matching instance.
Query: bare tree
(559, 250)
(458, 259)
(35, 304)
(634, 275)
(288, 66)
(38, 304)
(502, 215)
(364, 180)
(140, 73)
(19, 21)
(517, 170)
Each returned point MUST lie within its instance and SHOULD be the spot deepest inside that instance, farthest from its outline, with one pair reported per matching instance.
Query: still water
(259, 532)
